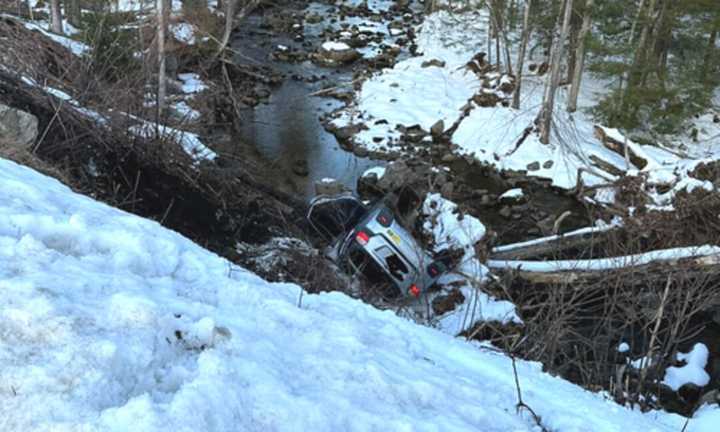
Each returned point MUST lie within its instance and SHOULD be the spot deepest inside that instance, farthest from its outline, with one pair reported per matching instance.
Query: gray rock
(300, 167)
(397, 174)
(533, 166)
(548, 164)
(447, 189)
(505, 212)
(438, 128)
(337, 56)
(360, 151)
(433, 62)
(448, 158)
(329, 187)
(17, 127)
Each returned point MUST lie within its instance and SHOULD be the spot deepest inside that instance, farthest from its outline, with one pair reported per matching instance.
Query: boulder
(438, 128)
(329, 186)
(300, 168)
(334, 53)
(17, 127)
(397, 174)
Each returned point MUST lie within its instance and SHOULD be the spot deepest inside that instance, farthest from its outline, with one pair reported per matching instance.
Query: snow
(184, 32)
(335, 46)
(693, 372)
(112, 323)
(512, 194)
(477, 307)
(378, 171)
(192, 83)
(623, 347)
(190, 142)
(77, 48)
(450, 230)
(186, 111)
(494, 135)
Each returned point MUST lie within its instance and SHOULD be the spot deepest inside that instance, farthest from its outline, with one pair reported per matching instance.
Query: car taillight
(362, 238)
(414, 291)
(385, 218)
(436, 269)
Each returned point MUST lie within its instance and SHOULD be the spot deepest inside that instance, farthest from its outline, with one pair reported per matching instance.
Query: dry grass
(25, 157)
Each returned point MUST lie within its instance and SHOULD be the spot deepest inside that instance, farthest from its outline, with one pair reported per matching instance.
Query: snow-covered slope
(110, 322)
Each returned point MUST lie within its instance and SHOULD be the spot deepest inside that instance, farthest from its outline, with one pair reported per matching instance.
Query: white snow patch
(192, 83)
(335, 46)
(378, 171)
(512, 194)
(694, 370)
(184, 32)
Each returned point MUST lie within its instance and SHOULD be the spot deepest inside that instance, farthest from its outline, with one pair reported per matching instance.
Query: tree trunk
(709, 60)
(162, 89)
(56, 17)
(580, 58)
(631, 39)
(636, 69)
(74, 14)
(553, 80)
(521, 54)
(496, 9)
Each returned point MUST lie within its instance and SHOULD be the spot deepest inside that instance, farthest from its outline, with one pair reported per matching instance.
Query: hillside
(111, 322)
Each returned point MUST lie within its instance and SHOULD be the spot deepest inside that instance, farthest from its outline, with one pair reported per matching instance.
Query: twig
(522, 404)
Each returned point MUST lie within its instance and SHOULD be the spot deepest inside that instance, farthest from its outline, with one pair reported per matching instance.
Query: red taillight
(414, 291)
(362, 238)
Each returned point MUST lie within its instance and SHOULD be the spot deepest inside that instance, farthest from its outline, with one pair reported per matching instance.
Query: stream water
(286, 131)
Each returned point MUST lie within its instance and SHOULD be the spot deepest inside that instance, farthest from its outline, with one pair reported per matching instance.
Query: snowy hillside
(112, 323)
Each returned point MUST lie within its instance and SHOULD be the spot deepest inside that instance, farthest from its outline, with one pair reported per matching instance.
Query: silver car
(373, 242)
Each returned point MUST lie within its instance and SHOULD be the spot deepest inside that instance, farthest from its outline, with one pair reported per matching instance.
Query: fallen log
(698, 258)
(623, 148)
(548, 245)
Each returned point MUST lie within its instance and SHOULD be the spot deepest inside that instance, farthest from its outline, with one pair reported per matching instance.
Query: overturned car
(374, 242)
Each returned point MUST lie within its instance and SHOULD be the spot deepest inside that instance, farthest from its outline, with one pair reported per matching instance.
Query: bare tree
(580, 58)
(521, 54)
(56, 17)
(553, 80)
(496, 14)
(73, 12)
(161, 33)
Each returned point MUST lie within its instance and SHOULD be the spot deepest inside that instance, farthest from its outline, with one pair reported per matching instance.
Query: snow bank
(111, 322)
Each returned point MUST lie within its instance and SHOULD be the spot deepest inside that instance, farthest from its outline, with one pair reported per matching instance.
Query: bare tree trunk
(162, 89)
(546, 112)
(56, 17)
(521, 54)
(73, 12)
(230, 6)
(640, 55)
(580, 58)
(641, 15)
(709, 59)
